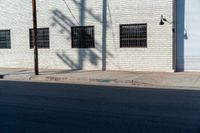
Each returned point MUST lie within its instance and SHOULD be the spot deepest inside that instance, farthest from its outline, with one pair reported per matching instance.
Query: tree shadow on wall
(65, 21)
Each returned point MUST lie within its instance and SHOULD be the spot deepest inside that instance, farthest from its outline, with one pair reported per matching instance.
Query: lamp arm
(165, 20)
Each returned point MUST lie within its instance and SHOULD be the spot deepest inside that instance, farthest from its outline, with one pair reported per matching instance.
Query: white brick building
(158, 53)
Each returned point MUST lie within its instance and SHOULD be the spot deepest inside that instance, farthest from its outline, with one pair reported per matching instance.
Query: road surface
(27, 107)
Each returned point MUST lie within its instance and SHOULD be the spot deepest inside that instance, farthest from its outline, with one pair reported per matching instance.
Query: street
(27, 107)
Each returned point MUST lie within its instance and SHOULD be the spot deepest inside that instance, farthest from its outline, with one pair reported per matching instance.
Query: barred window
(42, 37)
(83, 37)
(133, 35)
(5, 39)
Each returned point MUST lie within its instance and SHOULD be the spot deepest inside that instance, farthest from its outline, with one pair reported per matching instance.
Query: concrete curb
(16, 77)
(144, 81)
(74, 80)
(109, 82)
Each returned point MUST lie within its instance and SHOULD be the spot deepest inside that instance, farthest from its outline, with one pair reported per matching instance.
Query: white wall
(192, 44)
(17, 16)
(158, 54)
(188, 35)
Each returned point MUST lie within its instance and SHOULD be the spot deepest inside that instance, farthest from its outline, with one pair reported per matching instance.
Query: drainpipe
(175, 35)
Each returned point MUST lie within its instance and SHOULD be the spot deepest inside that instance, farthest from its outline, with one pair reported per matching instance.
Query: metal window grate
(82, 37)
(42, 36)
(133, 35)
(5, 39)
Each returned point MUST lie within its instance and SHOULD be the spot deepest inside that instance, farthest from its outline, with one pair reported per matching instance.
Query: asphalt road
(64, 108)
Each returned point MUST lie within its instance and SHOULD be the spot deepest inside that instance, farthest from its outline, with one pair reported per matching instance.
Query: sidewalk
(121, 78)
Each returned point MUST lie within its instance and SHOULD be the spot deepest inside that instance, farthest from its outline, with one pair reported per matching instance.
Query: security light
(163, 20)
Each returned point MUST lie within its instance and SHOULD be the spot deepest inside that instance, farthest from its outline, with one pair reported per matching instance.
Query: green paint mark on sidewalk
(106, 80)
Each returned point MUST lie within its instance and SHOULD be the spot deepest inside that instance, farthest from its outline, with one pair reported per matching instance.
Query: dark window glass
(83, 37)
(133, 35)
(42, 36)
(5, 39)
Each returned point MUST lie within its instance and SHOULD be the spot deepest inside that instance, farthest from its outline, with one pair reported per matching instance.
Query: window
(43, 37)
(5, 39)
(133, 35)
(82, 37)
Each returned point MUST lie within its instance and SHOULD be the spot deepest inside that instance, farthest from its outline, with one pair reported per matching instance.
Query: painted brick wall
(158, 56)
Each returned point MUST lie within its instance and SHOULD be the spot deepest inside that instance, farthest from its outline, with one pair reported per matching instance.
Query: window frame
(46, 47)
(8, 30)
(73, 46)
(133, 45)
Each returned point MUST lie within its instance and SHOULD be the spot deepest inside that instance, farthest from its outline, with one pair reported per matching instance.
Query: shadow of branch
(64, 23)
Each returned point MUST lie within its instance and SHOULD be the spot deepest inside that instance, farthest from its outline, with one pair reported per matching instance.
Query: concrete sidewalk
(139, 79)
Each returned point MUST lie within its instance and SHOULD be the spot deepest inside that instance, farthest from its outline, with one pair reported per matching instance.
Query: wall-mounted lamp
(163, 20)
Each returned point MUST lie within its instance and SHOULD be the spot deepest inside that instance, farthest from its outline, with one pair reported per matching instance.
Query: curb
(93, 81)
(88, 81)
(75, 80)
(16, 77)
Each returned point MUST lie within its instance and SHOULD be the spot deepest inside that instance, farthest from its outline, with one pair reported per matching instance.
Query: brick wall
(158, 56)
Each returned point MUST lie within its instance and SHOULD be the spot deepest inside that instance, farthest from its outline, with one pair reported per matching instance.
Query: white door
(188, 35)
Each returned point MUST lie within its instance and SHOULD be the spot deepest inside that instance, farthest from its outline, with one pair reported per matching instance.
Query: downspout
(104, 35)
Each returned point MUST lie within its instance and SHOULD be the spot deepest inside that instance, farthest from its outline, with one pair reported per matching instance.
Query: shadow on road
(44, 107)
